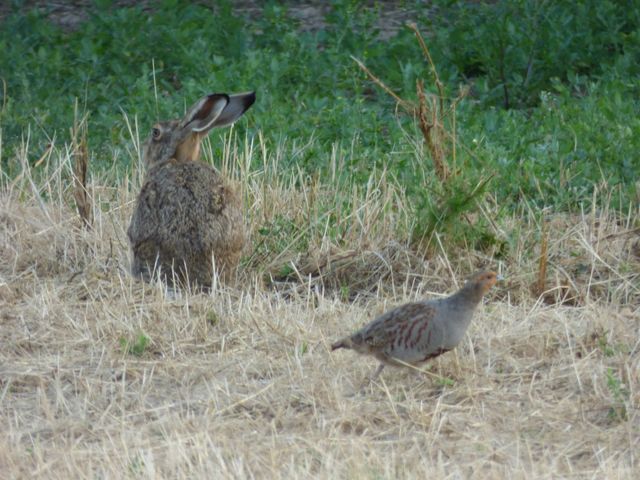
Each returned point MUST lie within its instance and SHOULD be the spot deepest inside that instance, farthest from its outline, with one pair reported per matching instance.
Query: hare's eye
(156, 133)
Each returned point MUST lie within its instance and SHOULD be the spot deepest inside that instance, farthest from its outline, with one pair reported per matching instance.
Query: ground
(104, 376)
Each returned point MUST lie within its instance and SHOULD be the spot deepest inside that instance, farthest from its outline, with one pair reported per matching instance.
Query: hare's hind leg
(149, 263)
(229, 270)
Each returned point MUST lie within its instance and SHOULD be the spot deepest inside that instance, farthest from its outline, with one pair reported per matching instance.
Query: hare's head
(180, 139)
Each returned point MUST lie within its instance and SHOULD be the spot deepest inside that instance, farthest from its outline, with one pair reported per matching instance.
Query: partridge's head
(480, 283)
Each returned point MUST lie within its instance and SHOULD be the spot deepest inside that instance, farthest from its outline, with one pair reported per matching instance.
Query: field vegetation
(394, 148)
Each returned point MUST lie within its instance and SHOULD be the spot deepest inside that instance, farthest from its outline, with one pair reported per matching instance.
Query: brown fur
(188, 218)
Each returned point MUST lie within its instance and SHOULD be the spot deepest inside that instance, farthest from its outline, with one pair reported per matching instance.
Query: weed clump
(447, 194)
(136, 345)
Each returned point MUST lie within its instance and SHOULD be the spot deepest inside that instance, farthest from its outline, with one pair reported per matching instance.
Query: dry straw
(240, 383)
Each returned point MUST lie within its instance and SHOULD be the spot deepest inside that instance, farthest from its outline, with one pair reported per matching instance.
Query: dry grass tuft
(103, 376)
(80, 171)
(540, 285)
(352, 273)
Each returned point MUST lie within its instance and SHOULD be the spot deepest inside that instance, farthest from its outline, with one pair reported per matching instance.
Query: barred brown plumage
(416, 332)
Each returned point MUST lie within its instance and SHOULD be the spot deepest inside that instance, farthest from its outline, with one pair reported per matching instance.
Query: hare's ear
(217, 110)
(238, 104)
(204, 112)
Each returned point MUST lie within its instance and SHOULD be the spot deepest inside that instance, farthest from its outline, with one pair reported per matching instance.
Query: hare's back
(190, 203)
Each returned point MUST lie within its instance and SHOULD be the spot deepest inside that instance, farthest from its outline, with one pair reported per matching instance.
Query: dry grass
(240, 382)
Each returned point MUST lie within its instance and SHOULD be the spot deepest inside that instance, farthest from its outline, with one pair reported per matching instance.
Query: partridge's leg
(376, 374)
(367, 380)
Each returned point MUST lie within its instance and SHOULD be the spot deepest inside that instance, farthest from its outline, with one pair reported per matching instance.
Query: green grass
(571, 126)
(519, 48)
(135, 346)
(618, 410)
(556, 153)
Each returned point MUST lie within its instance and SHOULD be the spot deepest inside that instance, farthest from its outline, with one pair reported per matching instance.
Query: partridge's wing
(396, 327)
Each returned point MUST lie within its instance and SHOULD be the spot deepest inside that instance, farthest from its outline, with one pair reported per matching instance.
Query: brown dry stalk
(44, 156)
(631, 232)
(409, 107)
(80, 169)
(542, 263)
(427, 54)
(432, 132)
(430, 110)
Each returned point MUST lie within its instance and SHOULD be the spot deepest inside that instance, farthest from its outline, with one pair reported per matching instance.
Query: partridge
(416, 332)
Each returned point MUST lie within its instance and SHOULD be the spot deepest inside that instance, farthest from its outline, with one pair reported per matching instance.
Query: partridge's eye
(156, 133)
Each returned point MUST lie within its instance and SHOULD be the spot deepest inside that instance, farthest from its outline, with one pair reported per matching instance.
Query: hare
(188, 217)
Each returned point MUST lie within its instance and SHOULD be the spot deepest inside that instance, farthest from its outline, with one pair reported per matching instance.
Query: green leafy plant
(212, 318)
(618, 410)
(574, 105)
(515, 49)
(345, 293)
(445, 382)
(607, 349)
(135, 346)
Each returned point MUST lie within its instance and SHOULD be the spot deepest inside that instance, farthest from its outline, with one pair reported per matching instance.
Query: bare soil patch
(309, 15)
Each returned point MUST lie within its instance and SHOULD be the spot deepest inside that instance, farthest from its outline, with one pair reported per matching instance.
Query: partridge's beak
(500, 278)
